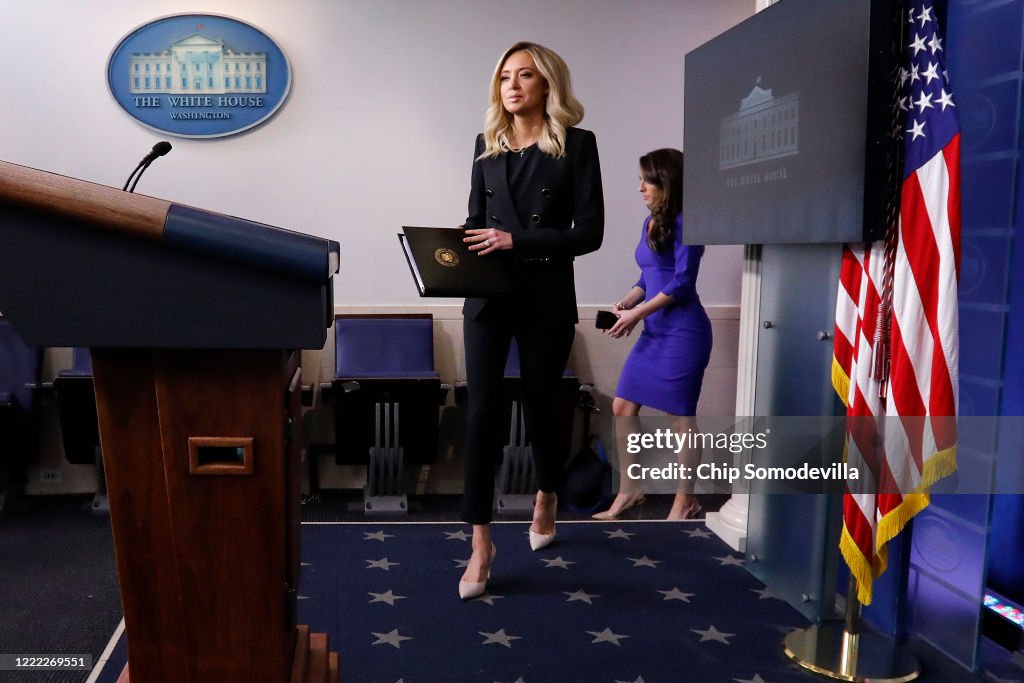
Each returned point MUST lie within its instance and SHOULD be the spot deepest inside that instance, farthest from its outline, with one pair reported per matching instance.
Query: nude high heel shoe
(538, 540)
(474, 589)
(689, 512)
(633, 501)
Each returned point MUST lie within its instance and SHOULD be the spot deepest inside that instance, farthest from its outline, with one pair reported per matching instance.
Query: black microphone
(159, 149)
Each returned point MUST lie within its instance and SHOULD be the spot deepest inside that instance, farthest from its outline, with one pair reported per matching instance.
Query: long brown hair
(663, 168)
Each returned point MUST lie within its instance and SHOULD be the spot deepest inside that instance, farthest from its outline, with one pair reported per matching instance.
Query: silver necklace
(521, 151)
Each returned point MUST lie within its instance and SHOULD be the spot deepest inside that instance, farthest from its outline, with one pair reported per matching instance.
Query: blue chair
(387, 396)
(19, 377)
(79, 425)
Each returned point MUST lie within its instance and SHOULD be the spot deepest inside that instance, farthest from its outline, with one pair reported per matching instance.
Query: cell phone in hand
(605, 320)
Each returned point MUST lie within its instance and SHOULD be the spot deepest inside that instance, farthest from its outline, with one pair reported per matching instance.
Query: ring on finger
(487, 243)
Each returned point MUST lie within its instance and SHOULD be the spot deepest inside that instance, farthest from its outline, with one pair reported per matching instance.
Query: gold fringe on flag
(861, 569)
(942, 464)
(840, 381)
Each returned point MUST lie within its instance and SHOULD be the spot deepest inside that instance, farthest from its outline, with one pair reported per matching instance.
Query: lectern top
(95, 205)
(88, 265)
(208, 233)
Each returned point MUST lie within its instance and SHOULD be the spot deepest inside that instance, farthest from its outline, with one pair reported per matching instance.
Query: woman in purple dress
(665, 369)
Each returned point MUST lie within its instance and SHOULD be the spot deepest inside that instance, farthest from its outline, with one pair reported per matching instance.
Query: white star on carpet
(639, 679)
(730, 561)
(382, 563)
(376, 536)
(487, 599)
(644, 562)
(756, 679)
(303, 597)
(558, 562)
(393, 638)
(518, 680)
(305, 564)
(698, 533)
(676, 594)
(459, 535)
(499, 637)
(713, 633)
(606, 636)
(460, 564)
(388, 597)
(764, 593)
(581, 595)
(619, 533)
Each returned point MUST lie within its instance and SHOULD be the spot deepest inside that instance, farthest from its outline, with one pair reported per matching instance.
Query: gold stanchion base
(865, 658)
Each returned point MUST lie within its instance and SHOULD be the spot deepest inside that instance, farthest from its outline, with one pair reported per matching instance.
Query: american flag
(896, 338)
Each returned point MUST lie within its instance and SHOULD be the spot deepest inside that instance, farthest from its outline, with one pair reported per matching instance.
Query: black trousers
(543, 352)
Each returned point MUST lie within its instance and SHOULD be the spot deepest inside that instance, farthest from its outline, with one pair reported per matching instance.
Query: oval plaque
(198, 75)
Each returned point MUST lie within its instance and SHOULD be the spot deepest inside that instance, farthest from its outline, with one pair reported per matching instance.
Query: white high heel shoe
(474, 589)
(538, 541)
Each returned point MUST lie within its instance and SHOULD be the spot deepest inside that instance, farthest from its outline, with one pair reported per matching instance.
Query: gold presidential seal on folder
(446, 257)
(442, 264)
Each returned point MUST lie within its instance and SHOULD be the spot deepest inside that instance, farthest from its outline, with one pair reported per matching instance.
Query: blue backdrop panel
(1006, 566)
(949, 554)
(792, 540)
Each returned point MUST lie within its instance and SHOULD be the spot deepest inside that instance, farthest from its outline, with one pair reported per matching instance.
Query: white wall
(378, 130)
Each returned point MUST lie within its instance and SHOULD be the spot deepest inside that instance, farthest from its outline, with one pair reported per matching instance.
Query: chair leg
(100, 502)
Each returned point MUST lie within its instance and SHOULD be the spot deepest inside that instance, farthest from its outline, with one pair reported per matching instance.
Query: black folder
(442, 264)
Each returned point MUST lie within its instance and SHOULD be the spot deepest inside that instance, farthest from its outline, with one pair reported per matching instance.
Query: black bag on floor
(588, 479)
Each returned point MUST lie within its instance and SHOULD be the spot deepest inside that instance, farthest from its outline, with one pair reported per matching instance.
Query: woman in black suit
(536, 200)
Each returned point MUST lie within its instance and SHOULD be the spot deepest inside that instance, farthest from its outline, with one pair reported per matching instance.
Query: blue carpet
(620, 602)
(652, 602)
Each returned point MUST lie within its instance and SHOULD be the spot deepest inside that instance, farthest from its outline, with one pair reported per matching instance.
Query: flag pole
(843, 652)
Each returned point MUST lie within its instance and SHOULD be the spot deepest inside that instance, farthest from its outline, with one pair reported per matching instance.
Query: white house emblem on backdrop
(765, 127)
(198, 75)
(197, 64)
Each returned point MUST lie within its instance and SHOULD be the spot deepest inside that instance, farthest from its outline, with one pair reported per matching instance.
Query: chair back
(384, 347)
(19, 367)
(81, 362)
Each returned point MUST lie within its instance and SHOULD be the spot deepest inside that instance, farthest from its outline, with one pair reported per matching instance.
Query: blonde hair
(561, 108)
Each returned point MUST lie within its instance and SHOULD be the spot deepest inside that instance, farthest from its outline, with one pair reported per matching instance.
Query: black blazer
(564, 200)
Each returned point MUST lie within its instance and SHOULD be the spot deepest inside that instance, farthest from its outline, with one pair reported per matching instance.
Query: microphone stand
(159, 149)
(141, 168)
(145, 162)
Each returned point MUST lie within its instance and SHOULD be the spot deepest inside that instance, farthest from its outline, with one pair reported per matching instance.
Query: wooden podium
(194, 320)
